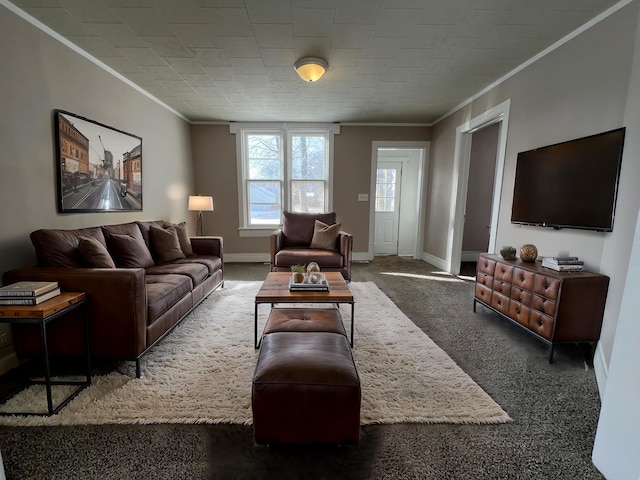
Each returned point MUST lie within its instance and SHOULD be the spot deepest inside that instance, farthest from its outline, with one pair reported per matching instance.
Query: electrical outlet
(363, 197)
(4, 339)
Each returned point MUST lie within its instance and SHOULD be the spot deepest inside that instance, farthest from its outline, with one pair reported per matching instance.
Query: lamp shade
(201, 203)
(311, 69)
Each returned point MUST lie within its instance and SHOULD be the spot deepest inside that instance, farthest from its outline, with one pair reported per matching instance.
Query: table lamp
(200, 204)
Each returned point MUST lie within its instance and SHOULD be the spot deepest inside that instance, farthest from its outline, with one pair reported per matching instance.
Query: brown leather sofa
(294, 244)
(141, 280)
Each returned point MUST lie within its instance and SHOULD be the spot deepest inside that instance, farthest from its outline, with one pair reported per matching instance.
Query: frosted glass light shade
(311, 69)
(201, 203)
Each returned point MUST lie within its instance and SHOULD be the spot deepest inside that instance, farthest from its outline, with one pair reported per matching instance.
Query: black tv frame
(549, 151)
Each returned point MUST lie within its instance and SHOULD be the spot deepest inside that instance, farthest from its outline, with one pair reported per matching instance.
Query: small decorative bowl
(508, 253)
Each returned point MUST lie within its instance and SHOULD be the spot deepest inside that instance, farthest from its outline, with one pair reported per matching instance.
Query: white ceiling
(390, 61)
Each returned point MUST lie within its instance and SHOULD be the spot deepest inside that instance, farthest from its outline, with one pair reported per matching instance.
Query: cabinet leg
(474, 305)
(551, 353)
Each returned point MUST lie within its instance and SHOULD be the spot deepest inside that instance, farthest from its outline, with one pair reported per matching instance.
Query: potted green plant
(298, 273)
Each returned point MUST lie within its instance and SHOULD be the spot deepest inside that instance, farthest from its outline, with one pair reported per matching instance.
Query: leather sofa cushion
(212, 263)
(197, 272)
(163, 292)
(59, 248)
(94, 254)
(324, 258)
(298, 227)
(132, 229)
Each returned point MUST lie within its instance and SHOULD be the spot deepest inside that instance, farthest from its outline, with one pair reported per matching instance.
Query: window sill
(257, 232)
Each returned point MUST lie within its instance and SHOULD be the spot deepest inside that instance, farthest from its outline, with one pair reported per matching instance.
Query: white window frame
(286, 130)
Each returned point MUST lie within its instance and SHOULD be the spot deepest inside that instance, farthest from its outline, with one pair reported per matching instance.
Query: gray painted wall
(576, 90)
(39, 74)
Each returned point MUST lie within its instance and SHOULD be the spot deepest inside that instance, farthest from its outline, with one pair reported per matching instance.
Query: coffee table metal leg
(353, 320)
(255, 327)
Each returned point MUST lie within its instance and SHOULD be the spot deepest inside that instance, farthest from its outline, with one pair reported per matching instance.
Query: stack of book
(563, 264)
(28, 293)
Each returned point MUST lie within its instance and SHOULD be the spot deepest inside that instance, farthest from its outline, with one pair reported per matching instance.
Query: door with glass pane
(387, 208)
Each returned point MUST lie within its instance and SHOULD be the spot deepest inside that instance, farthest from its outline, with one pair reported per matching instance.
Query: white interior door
(387, 208)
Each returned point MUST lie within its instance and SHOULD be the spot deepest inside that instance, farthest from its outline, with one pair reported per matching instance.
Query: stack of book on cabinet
(28, 293)
(563, 264)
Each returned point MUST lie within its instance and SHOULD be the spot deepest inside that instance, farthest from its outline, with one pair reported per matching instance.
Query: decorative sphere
(313, 267)
(528, 253)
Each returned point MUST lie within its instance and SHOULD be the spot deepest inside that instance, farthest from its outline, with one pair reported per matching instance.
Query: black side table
(42, 315)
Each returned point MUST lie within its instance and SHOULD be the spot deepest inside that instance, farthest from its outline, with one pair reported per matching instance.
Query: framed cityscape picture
(99, 167)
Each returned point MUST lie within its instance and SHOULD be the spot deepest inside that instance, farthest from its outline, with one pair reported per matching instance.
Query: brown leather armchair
(291, 245)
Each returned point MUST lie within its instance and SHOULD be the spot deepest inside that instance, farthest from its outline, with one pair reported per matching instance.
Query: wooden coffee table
(275, 289)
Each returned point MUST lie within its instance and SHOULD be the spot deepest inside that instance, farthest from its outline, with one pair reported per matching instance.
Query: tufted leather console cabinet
(557, 307)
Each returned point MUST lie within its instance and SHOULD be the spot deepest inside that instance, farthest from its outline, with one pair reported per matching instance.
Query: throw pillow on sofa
(298, 227)
(59, 248)
(94, 254)
(183, 237)
(129, 252)
(165, 245)
(325, 236)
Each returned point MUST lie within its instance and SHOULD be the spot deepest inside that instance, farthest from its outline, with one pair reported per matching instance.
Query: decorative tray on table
(312, 283)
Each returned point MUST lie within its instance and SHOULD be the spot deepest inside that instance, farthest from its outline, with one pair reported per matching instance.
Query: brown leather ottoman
(305, 320)
(305, 390)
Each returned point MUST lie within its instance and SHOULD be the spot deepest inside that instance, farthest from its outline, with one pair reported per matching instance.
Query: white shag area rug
(202, 371)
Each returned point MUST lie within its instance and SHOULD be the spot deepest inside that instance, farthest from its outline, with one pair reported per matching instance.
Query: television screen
(571, 184)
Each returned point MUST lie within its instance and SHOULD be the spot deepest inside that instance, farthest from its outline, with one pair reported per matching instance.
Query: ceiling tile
(308, 22)
(185, 65)
(273, 11)
(274, 36)
(142, 56)
(389, 60)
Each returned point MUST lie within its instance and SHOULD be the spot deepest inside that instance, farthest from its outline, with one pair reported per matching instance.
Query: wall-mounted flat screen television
(572, 184)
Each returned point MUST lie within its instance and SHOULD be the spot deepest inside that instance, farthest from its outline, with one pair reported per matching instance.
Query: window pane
(308, 157)
(386, 175)
(264, 154)
(264, 203)
(385, 190)
(307, 197)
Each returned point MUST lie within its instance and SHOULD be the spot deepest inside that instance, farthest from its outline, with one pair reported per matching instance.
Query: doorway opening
(460, 181)
(397, 212)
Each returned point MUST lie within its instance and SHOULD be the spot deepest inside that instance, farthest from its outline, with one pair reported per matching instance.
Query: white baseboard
(433, 260)
(247, 257)
(601, 369)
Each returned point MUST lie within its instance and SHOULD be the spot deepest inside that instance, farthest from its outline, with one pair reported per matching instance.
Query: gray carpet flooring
(554, 408)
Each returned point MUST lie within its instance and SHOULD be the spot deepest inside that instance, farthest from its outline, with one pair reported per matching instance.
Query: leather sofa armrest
(116, 299)
(345, 245)
(277, 239)
(208, 246)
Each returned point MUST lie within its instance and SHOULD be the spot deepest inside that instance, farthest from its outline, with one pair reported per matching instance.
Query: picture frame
(99, 168)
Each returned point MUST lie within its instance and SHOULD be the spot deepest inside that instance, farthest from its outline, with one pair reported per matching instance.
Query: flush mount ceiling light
(311, 69)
